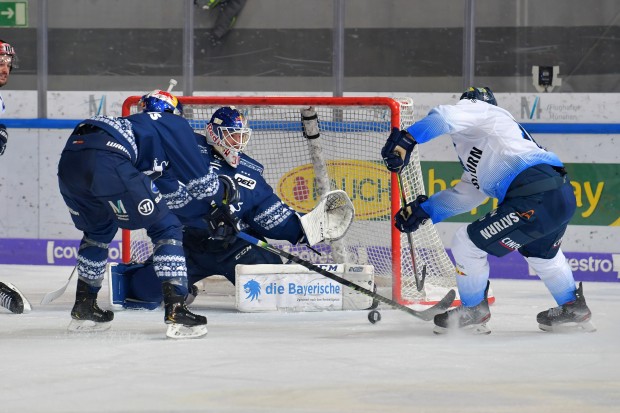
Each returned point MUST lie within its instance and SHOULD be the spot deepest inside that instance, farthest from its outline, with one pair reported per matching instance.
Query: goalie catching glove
(330, 219)
(397, 149)
(411, 216)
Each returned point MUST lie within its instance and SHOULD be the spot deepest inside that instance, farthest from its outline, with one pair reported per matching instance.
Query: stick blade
(419, 280)
(51, 296)
(442, 306)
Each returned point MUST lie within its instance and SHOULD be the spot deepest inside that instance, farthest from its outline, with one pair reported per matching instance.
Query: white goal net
(346, 156)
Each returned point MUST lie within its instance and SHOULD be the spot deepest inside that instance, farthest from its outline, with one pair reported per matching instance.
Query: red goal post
(352, 132)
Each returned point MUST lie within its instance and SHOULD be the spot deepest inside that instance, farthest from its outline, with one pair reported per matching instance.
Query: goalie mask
(228, 133)
(479, 93)
(7, 55)
(161, 101)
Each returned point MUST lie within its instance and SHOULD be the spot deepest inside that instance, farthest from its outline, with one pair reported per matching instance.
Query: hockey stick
(171, 85)
(425, 315)
(51, 296)
(312, 133)
(419, 280)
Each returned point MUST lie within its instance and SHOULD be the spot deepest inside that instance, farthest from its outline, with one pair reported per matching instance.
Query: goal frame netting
(386, 113)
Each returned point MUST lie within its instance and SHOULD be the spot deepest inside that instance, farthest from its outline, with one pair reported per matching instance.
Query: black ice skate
(86, 314)
(12, 299)
(570, 316)
(472, 320)
(182, 322)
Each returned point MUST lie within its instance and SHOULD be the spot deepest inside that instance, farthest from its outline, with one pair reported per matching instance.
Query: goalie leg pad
(130, 285)
(364, 277)
(117, 284)
(133, 304)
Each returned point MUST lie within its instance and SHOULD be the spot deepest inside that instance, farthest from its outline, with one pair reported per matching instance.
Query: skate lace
(464, 312)
(555, 311)
(459, 309)
(5, 299)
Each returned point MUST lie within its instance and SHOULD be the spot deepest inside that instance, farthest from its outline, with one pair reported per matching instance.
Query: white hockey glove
(330, 219)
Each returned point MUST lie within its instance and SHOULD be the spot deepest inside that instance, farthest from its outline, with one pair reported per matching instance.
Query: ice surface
(306, 362)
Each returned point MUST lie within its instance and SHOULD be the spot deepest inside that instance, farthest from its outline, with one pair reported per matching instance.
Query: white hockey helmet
(228, 133)
(7, 54)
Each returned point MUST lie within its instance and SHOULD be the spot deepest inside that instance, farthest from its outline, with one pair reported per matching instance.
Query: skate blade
(472, 330)
(85, 326)
(180, 331)
(584, 327)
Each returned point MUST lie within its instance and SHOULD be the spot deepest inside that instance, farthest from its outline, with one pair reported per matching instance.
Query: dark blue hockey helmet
(161, 101)
(229, 133)
(479, 93)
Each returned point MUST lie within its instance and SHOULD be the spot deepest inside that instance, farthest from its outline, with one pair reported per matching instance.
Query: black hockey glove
(231, 192)
(411, 216)
(222, 224)
(4, 137)
(397, 150)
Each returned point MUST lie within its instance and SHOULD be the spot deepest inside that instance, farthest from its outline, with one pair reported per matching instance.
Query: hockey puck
(374, 316)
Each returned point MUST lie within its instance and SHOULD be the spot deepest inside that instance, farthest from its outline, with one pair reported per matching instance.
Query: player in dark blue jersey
(261, 212)
(137, 172)
(10, 297)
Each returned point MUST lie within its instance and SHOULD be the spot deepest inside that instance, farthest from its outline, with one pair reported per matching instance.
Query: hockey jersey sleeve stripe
(205, 186)
(462, 197)
(429, 128)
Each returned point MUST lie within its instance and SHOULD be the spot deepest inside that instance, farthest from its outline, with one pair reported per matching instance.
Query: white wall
(550, 107)
(31, 206)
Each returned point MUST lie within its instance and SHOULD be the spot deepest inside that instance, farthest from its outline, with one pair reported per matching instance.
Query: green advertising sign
(13, 14)
(596, 187)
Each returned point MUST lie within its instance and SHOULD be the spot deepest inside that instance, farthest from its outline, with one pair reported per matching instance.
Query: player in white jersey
(10, 297)
(536, 201)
